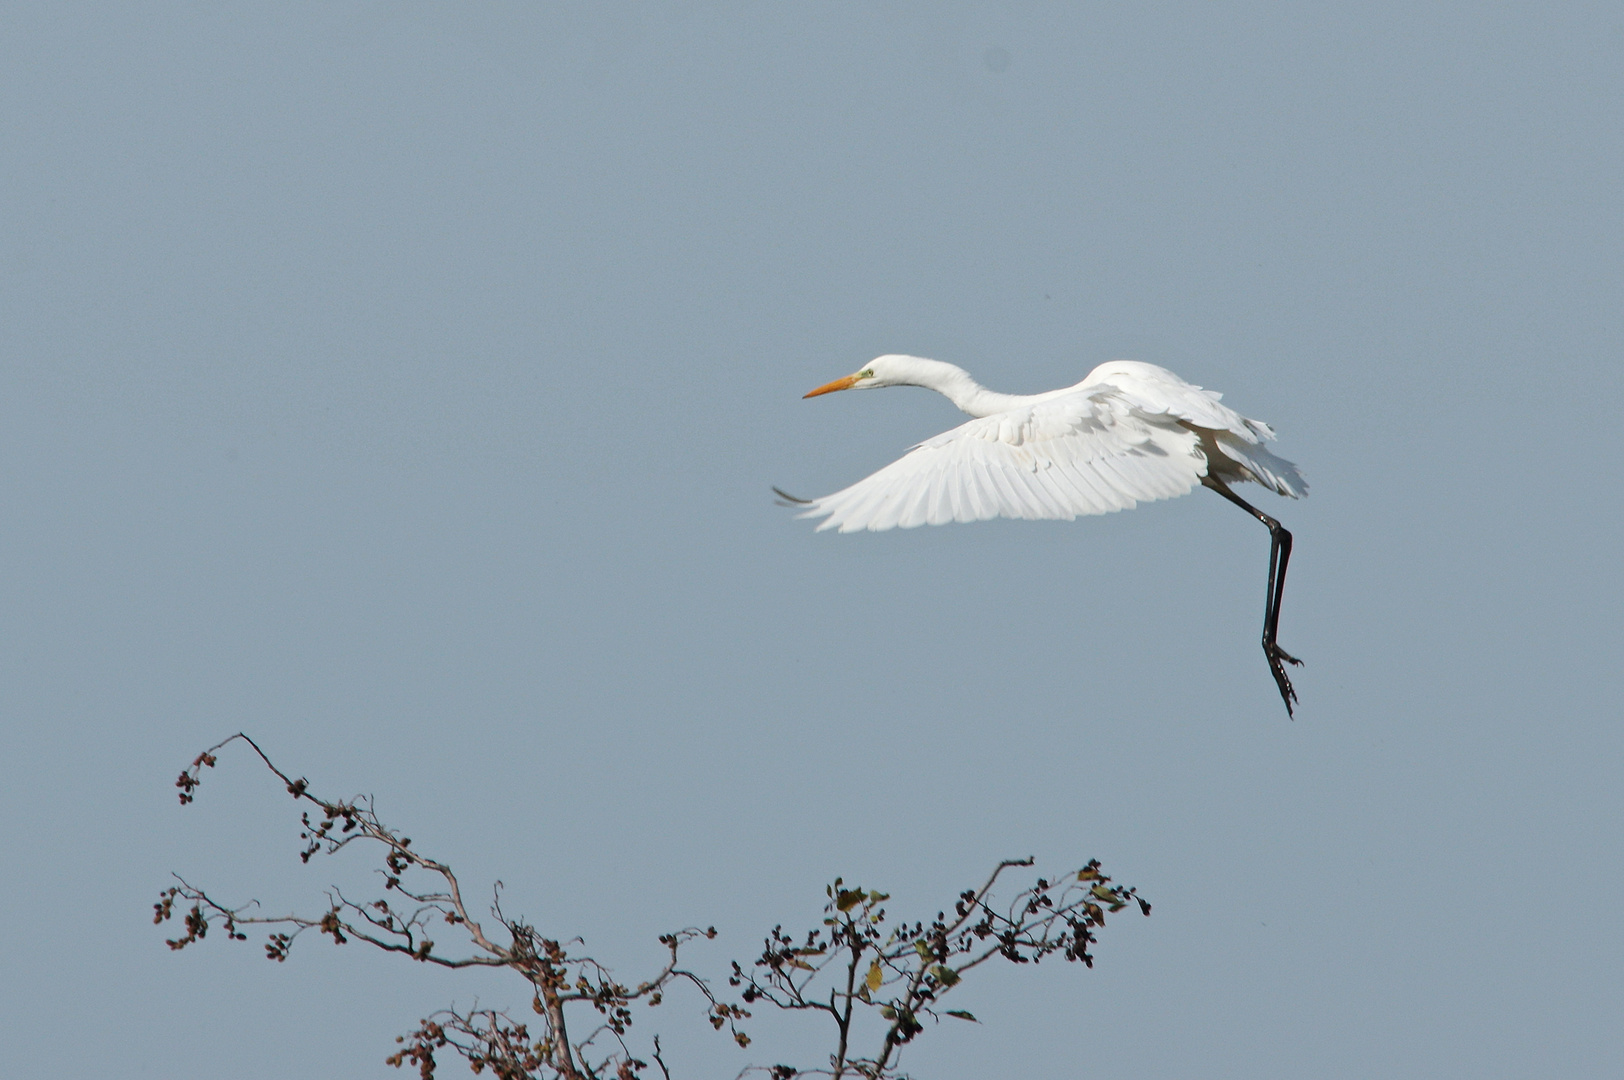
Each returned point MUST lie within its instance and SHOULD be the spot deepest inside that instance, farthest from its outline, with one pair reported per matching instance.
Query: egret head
(880, 371)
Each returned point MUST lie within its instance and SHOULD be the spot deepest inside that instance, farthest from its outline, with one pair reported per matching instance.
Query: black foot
(1278, 658)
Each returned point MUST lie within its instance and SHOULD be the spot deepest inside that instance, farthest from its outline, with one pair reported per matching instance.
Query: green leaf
(945, 975)
(1104, 893)
(846, 899)
(924, 950)
(962, 1015)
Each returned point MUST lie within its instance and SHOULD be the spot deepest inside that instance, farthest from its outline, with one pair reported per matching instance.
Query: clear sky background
(403, 383)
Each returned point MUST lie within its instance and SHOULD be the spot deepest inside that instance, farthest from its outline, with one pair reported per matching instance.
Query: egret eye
(866, 373)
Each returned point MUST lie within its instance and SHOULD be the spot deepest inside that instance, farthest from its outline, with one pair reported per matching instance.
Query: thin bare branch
(421, 893)
(878, 981)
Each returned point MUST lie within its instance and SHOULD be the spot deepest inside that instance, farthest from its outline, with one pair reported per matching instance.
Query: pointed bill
(831, 387)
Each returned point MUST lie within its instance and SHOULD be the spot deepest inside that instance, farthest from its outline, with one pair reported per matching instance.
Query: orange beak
(831, 387)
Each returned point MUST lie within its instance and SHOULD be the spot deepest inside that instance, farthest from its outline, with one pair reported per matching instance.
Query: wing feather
(889, 512)
(988, 502)
(1152, 389)
(1112, 496)
(1091, 450)
(940, 513)
(916, 499)
(961, 491)
(1015, 502)
(1061, 497)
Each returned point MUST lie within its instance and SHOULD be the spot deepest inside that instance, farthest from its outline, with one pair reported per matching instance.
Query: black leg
(1279, 556)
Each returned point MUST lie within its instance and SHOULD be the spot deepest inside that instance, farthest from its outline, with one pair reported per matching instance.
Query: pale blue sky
(403, 383)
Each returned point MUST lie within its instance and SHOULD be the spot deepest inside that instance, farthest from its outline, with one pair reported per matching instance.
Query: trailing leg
(1279, 557)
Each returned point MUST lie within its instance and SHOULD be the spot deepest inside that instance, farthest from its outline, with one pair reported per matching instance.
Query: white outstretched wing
(1129, 433)
(1081, 453)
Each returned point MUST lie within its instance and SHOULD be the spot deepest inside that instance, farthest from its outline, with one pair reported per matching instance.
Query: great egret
(1128, 432)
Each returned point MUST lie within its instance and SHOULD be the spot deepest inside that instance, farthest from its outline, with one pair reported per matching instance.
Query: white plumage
(1130, 432)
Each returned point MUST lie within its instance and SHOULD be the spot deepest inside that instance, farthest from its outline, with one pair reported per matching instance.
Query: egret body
(1130, 432)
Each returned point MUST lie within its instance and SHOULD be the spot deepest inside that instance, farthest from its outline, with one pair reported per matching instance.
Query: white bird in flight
(1127, 433)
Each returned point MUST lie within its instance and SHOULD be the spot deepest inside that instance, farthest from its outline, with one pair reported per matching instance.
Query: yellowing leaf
(875, 976)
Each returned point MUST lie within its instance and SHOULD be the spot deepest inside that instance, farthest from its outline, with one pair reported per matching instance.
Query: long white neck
(955, 384)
